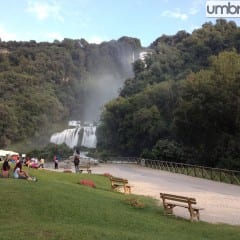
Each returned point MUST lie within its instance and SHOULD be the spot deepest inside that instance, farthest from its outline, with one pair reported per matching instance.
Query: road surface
(221, 201)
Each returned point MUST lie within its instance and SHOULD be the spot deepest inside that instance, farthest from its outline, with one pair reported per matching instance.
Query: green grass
(56, 207)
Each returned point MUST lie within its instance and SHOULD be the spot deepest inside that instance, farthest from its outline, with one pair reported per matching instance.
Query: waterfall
(89, 138)
(71, 136)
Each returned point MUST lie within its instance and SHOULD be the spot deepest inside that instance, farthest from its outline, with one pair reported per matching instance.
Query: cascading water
(68, 136)
(89, 138)
(71, 136)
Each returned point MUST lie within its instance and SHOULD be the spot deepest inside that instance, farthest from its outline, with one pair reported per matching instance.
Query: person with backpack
(76, 160)
(55, 160)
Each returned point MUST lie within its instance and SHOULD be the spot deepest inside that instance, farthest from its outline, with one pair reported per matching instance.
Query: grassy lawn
(56, 207)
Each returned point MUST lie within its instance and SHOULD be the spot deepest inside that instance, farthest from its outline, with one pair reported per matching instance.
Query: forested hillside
(183, 103)
(45, 83)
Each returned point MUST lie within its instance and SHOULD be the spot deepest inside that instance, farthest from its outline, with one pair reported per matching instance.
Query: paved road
(221, 201)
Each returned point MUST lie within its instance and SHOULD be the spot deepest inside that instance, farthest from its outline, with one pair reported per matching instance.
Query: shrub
(134, 202)
(87, 182)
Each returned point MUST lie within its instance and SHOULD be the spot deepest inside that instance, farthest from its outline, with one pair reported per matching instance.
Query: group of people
(34, 163)
(18, 172)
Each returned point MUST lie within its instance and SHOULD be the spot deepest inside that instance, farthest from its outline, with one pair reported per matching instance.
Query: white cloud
(175, 14)
(5, 35)
(44, 10)
(197, 5)
(194, 8)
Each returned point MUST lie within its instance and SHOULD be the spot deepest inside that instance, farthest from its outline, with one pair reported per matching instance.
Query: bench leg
(119, 188)
(127, 189)
(194, 213)
(168, 209)
(191, 214)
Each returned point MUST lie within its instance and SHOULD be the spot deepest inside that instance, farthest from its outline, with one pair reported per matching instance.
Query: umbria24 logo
(222, 9)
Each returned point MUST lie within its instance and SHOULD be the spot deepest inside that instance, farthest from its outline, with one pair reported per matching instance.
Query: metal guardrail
(122, 160)
(216, 174)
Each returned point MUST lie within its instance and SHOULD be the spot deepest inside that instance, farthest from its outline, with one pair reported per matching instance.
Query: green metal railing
(122, 160)
(216, 174)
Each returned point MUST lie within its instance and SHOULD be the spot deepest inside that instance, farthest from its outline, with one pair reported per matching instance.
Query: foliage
(183, 102)
(131, 124)
(48, 152)
(45, 83)
(207, 117)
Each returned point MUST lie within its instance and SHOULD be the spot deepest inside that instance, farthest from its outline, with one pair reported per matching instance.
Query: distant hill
(45, 83)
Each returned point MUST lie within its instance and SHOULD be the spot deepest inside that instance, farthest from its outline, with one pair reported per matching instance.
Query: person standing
(55, 159)
(76, 163)
(5, 168)
(42, 161)
(76, 160)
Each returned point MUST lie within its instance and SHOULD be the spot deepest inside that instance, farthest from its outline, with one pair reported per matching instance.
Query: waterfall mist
(105, 80)
(104, 89)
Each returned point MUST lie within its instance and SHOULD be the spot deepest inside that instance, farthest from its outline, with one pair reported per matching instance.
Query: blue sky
(98, 20)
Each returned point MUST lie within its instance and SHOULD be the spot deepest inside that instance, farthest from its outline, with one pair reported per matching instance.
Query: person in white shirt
(41, 165)
(19, 173)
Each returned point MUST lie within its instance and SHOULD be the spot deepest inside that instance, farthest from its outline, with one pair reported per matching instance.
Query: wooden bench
(120, 183)
(170, 201)
(85, 167)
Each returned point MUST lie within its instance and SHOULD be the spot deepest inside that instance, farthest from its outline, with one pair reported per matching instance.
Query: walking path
(221, 201)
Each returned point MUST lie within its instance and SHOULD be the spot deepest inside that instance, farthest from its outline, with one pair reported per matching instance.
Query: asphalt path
(221, 201)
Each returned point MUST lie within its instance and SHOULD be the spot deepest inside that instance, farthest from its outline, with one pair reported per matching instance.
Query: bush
(167, 150)
(88, 183)
(48, 152)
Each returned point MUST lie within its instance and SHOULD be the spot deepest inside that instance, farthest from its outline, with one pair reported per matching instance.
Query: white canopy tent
(4, 153)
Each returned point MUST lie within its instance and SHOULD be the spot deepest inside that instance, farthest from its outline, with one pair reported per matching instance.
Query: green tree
(209, 109)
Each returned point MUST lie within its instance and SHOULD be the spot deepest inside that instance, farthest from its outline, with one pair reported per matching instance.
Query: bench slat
(166, 195)
(184, 200)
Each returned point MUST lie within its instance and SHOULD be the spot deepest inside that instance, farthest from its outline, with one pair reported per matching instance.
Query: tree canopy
(183, 103)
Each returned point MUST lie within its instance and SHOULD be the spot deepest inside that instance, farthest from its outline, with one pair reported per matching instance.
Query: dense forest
(46, 83)
(183, 103)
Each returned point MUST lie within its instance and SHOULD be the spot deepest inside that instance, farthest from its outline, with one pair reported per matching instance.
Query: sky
(99, 20)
